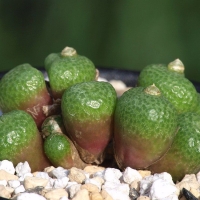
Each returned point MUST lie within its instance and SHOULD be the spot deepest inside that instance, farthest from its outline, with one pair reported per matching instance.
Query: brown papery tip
(176, 66)
(68, 51)
(152, 90)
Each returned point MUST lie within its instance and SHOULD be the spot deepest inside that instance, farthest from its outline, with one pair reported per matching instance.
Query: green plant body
(66, 69)
(184, 155)
(21, 141)
(87, 110)
(145, 123)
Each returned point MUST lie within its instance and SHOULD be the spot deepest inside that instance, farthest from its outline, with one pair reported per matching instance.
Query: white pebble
(171, 197)
(116, 194)
(21, 178)
(7, 166)
(30, 196)
(22, 168)
(44, 175)
(60, 172)
(161, 189)
(122, 187)
(73, 189)
(130, 175)
(146, 182)
(14, 183)
(61, 182)
(112, 175)
(98, 181)
(19, 189)
(50, 183)
(118, 84)
(100, 174)
(3, 182)
(102, 79)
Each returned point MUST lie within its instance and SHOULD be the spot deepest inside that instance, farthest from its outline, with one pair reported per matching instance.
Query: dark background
(128, 34)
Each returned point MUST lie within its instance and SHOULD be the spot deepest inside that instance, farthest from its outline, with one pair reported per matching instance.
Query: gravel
(92, 183)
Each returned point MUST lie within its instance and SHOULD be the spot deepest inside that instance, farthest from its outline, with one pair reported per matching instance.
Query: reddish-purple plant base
(33, 153)
(137, 153)
(91, 136)
(35, 106)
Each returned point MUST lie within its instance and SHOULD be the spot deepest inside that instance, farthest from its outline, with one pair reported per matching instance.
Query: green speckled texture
(17, 131)
(140, 113)
(19, 85)
(144, 127)
(176, 88)
(57, 148)
(184, 155)
(64, 72)
(88, 101)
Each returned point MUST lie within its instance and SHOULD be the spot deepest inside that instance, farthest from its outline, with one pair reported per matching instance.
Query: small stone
(130, 175)
(90, 187)
(49, 170)
(56, 194)
(98, 181)
(59, 172)
(21, 178)
(41, 175)
(143, 198)
(105, 195)
(82, 194)
(112, 175)
(117, 187)
(93, 169)
(4, 192)
(3, 182)
(32, 182)
(7, 176)
(19, 189)
(30, 196)
(64, 198)
(96, 196)
(73, 189)
(22, 168)
(161, 189)
(76, 175)
(61, 182)
(14, 183)
(190, 183)
(144, 173)
(7, 166)
(50, 183)
(133, 194)
(135, 185)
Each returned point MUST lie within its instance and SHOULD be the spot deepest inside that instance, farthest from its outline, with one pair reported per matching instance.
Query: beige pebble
(190, 183)
(32, 182)
(91, 169)
(105, 195)
(143, 198)
(4, 192)
(189, 178)
(82, 194)
(98, 179)
(195, 192)
(96, 196)
(56, 194)
(144, 173)
(90, 187)
(135, 185)
(7, 176)
(49, 170)
(76, 175)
